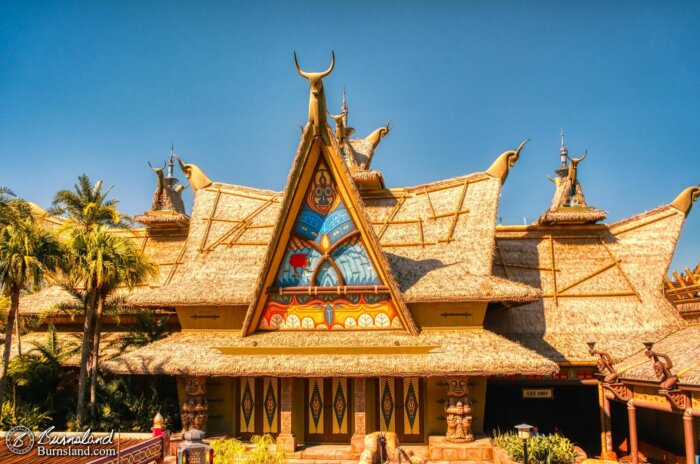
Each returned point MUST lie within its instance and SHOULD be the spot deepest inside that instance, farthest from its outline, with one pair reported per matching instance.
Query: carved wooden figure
(195, 410)
(458, 411)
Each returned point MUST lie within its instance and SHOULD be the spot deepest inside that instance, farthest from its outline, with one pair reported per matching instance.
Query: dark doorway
(573, 411)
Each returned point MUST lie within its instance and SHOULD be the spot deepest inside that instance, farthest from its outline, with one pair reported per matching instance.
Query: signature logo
(19, 440)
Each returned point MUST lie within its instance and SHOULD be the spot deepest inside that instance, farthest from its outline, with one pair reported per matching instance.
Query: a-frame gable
(324, 268)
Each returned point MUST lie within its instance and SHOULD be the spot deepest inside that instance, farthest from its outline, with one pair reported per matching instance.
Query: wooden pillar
(634, 446)
(358, 437)
(606, 442)
(689, 433)
(286, 439)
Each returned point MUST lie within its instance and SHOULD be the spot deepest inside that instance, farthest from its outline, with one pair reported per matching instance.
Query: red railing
(152, 450)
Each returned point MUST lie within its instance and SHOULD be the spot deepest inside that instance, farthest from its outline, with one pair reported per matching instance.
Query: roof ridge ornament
(684, 201)
(373, 140)
(317, 96)
(506, 160)
(198, 180)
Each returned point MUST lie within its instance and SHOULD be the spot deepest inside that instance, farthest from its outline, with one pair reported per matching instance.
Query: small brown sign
(538, 393)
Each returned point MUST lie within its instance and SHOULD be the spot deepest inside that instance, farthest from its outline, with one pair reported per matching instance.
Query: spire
(568, 204)
(344, 109)
(564, 156)
(171, 161)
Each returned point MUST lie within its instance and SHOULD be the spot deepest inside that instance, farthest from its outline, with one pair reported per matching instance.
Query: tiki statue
(195, 410)
(458, 411)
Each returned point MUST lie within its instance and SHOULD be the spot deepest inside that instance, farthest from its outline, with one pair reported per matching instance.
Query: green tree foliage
(88, 212)
(28, 252)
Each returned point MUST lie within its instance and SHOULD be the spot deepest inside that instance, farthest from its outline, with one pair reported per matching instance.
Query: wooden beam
(589, 276)
(617, 263)
(554, 273)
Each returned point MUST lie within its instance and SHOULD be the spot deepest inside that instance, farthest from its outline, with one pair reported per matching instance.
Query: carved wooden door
(258, 406)
(329, 410)
(400, 408)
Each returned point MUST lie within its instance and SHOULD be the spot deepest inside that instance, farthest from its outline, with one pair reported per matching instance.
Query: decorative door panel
(400, 408)
(329, 410)
(258, 406)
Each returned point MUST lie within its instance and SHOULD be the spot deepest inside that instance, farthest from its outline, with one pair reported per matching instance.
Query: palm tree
(125, 266)
(86, 208)
(27, 252)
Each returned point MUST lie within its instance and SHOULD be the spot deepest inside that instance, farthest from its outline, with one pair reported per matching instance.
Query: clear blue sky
(102, 87)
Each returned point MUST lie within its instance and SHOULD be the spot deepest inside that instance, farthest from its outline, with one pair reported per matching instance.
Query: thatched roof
(421, 229)
(324, 353)
(163, 247)
(572, 215)
(606, 285)
(683, 347)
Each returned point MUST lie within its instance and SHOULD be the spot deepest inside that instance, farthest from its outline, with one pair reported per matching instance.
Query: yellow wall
(424, 315)
(440, 314)
(298, 409)
(371, 413)
(221, 403)
(215, 317)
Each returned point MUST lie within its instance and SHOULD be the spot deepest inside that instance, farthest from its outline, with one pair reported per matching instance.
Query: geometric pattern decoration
(270, 404)
(411, 406)
(387, 404)
(247, 406)
(339, 393)
(316, 405)
(326, 249)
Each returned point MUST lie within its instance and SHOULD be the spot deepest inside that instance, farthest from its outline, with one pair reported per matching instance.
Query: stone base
(357, 443)
(287, 442)
(439, 449)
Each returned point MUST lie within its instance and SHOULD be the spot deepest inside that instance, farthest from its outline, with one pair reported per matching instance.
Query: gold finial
(159, 174)
(158, 421)
(501, 167)
(198, 180)
(340, 131)
(373, 140)
(684, 201)
(317, 97)
(572, 175)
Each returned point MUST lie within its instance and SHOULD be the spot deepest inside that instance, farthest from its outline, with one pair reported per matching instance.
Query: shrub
(263, 451)
(550, 449)
(23, 414)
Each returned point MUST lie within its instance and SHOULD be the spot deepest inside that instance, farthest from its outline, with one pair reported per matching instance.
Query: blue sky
(104, 87)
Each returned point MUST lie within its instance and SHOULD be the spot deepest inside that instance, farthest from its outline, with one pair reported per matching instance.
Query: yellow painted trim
(531, 227)
(323, 350)
(310, 156)
(362, 225)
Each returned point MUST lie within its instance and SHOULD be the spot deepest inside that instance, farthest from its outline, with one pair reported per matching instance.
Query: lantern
(193, 450)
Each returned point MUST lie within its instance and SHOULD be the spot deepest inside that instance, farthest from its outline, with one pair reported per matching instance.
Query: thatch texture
(600, 284)
(683, 347)
(572, 215)
(431, 353)
(46, 301)
(421, 229)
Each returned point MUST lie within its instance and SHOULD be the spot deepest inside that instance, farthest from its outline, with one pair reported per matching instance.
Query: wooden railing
(152, 450)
